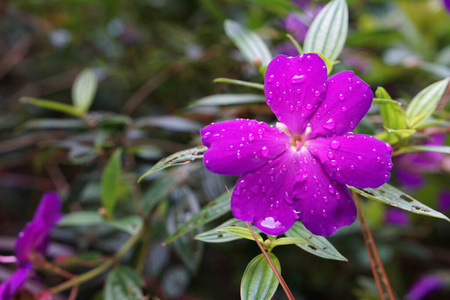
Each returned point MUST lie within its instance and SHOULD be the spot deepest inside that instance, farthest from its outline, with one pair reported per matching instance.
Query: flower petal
(263, 196)
(239, 146)
(347, 101)
(35, 235)
(294, 86)
(355, 159)
(10, 286)
(323, 205)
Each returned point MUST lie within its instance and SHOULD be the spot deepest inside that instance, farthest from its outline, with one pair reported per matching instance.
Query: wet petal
(49, 209)
(10, 286)
(323, 205)
(355, 159)
(263, 196)
(347, 101)
(294, 87)
(239, 146)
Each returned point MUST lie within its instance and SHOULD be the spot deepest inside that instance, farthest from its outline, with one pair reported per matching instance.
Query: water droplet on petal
(301, 57)
(338, 195)
(309, 57)
(330, 124)
(324, 214)
(349, 79)
(390, 166)
(264, 151)
(330, 155)
(352, 167)
(270, 95)
(388, 147)
(277, 84)
(309, 106)
(317, 93)
(271, 78)
(333, 163)
(344, 109)
(378, 159)
(341, 97)
(303, 177)
(207, 135)
(359, 158)
(251, 137)
(238, 155)
(335, 144)
(330, 189)
(287, 199)
(298, 79)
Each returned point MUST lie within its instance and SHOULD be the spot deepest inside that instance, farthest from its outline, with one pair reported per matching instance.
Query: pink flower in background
(424, 286)
(299, 169)
(34, 238)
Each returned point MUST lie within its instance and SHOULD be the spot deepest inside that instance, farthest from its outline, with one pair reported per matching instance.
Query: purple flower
(299, 169)
(424, 286)
(444, 201)
(396, 216)
(446, 4)
(411, 166)
(34, 238)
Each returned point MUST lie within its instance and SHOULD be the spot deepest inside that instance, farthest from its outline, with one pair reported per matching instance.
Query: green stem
(254, 85)
(146, 240)
(101, 268)
(296, 44)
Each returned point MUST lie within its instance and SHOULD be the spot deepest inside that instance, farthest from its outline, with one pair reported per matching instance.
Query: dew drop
(317, 93)
(302, 178)
(330, 155)
(341, 97)
(264, 151)
(312, 212)
(330, 124)
(298, 91)
(251, 137)
(271, 78)
(325, 199)
(309, 57)
(241, 145)
(298, 79)
(206, 135)
(309, 106)
(263, 189)
(333, 163)
(388, 147)
(359, 158)
(335, 144)
(338, 195)
(301, 57)
(390, 166)
(287, 199)
(270, 95)
(277, 84)
(378, 159)
(330, 189)
(349, 79)
(344, 109)
(352, 167)
(324, 214)
(238, 155)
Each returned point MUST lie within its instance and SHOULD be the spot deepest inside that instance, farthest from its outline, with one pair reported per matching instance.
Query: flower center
(298, 140)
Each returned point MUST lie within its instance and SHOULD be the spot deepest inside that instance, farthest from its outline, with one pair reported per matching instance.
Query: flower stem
(277, 274)
(101, 268)
(383, 285)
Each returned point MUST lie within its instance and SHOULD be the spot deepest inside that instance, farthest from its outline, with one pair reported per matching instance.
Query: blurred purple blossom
(444, 201)
(34, 238)
(447, 5)
(424, 286)
(396, 216)
(410, 167)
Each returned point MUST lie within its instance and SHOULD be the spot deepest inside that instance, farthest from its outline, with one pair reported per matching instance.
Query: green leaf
(176, 159)
(328, 31)
(288, 241)
(52, 105)
(425, 148)
(317, 245)
(383, 100)
(327, 62)
(83, 90)
(214, 236)
(249, 43)
(229, 99)
(110, 181)
(159, 190)
(130, 224)
(81, 218)
(425, 102)
(392, 113)
(393, 137)
(254, 85)
(392, 196)
(123, 283)
(259, 282)
(242, 232)
(210, 212)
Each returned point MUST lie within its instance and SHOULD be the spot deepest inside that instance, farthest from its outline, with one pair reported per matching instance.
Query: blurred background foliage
(152, 59)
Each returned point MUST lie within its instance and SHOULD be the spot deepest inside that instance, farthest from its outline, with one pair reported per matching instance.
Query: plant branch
(383, 285)
(101, 268)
